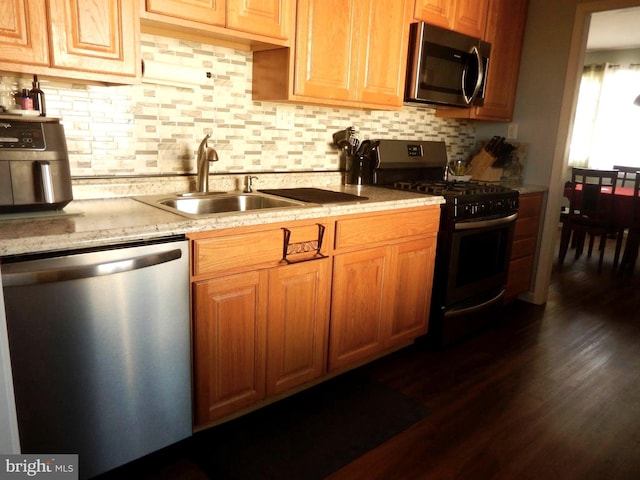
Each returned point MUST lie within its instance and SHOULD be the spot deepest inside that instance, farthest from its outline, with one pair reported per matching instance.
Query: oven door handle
(474, 308)
(486, 223)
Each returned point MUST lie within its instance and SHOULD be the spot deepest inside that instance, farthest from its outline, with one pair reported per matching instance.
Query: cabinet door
(271, 18)
(463, 16)
(411, 280)
(524, 245)
(435, 12)
(23, 33)
(229, 344)
(470, 17)
(326, 38)
(505, 32)
(297, 324)
(211, 12)
(95, 35)
(357, 313)
(382, 57)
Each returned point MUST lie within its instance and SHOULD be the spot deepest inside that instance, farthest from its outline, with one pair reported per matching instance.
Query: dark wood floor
(549, 392)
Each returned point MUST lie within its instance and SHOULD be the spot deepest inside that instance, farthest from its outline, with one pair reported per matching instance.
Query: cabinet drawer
(526, 227)
(519, 278)
(225, 252)
(529, 205)
(522, 247)
(379, 229)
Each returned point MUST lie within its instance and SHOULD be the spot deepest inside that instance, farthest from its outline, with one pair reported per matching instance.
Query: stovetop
(419, 166)
(466, 201)
(451, 189)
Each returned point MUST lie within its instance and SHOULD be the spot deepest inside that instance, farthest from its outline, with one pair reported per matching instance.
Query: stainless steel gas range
(474, 240)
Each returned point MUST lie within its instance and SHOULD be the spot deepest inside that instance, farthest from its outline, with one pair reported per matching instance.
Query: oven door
(479, 262)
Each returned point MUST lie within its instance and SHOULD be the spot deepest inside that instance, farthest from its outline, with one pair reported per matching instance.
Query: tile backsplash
(154, 128)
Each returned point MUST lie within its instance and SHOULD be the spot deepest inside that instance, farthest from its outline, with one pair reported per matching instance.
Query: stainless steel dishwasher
(100, 351)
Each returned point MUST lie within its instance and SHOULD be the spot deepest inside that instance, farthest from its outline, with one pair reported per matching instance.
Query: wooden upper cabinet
(347, 52)
(325, 60)
(271, 18)
(211, 12)
(94, 35)
(463, 16)
(505, 32)
(471, 17)
(383, 52)
(435, 12)
(229, 20)
(23, 33)
(88, 39)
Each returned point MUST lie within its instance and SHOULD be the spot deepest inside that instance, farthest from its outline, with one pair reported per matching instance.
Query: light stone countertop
(109, 221)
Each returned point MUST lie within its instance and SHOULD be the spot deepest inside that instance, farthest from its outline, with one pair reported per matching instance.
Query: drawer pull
(298, 248)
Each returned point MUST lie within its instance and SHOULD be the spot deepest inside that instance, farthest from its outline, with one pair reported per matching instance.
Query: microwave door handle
(480, 76)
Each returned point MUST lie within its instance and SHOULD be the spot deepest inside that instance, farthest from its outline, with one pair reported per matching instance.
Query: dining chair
(626, 175)
(630, 254)
(590, 212)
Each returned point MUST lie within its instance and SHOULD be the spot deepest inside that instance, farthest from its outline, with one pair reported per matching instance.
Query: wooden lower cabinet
(257, 334)
(524, 245)
(230, 333)
(380, 299)
(357, 307)
(263, 328)
(297, 325)
(412, 280)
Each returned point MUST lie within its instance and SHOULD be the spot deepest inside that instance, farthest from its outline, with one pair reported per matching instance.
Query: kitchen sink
(199, 205)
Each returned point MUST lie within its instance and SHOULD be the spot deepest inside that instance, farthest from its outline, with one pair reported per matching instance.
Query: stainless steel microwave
(445, 67)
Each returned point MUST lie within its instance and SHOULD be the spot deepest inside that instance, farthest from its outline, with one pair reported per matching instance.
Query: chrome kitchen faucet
(205, 155)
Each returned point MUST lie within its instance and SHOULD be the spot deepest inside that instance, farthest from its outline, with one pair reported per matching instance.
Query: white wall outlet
(285, 117)
(512, 131)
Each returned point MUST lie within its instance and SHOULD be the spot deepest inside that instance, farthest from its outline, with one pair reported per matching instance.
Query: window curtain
(607, 123)
(586, 114)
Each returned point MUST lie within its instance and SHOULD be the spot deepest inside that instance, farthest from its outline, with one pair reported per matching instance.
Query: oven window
(481, 255)
(478, 262)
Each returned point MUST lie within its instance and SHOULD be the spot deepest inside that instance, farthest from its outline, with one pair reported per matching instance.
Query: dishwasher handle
(36, 277)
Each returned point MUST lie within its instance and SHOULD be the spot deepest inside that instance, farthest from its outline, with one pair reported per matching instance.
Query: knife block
(480, 168)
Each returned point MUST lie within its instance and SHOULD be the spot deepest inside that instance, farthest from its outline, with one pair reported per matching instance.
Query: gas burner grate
(441, 187)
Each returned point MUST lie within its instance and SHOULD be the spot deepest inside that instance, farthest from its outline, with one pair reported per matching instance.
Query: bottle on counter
(26, 103)
(37, 96)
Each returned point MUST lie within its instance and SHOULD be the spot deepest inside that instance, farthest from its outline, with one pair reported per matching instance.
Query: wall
(153, 129)
(553, 52)
(623, 56)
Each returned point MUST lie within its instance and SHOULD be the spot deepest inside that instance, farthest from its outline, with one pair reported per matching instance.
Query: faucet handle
(248, 183)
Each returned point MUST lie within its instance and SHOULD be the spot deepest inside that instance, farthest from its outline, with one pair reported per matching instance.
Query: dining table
(622, 211)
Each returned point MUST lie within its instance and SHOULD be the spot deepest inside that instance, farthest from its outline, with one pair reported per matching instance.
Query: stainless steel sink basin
(217, 203)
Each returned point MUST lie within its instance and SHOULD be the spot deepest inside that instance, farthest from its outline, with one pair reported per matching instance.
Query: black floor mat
(309, 435)
(314, 195)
